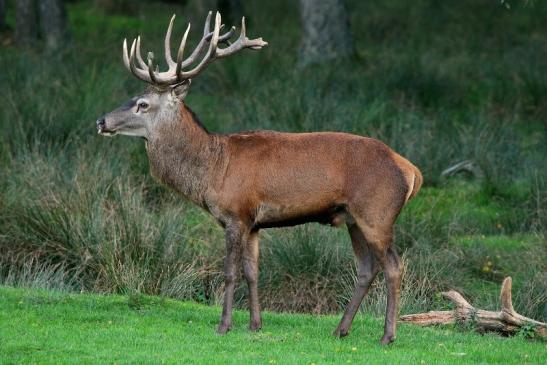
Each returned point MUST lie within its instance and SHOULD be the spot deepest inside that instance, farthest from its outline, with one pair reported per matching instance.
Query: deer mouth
(102, 130)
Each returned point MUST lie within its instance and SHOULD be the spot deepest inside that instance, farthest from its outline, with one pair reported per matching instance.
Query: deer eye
(143, 105)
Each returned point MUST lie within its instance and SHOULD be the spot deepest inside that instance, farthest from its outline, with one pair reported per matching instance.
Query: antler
(176, 72)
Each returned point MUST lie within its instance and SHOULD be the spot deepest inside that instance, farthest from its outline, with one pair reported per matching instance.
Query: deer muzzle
(101, 127)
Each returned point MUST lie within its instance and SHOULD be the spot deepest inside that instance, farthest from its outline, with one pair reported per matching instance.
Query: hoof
(223, 329)
(255, 327)
(386, 340)
(340, 333)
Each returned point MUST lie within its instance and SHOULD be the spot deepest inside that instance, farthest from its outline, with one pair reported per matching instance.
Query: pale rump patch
(410, 173)
(410, 187)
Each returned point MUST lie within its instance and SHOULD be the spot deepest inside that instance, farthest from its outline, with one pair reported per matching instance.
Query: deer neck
(185, 157)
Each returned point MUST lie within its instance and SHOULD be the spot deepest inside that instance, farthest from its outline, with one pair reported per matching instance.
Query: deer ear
(181, 90)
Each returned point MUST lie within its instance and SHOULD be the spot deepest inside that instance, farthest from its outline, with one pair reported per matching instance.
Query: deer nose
(101, 122)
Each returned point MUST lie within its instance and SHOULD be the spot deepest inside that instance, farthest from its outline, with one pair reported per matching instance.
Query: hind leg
(393, 272)
(367, 269)
(380, 240)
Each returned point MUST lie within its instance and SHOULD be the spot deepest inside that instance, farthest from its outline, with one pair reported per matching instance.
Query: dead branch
(506, 321)
(467, 165)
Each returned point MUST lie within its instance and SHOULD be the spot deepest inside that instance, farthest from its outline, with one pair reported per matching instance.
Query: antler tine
(141, 62)
(227, 35)
(243, 32)
(132, 59)
(210, 34)
(216, 33)
(207, 25)
(241, 42)
(151, 68)
(206, 38)
(167, 45)
(125, 55)
(180, 53)
(209, 56)
(207, 34)
(141, 74)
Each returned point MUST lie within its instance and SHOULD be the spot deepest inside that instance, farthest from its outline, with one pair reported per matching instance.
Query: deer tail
(416, 184)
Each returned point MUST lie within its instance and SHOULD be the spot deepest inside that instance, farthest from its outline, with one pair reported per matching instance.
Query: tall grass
(438, 82)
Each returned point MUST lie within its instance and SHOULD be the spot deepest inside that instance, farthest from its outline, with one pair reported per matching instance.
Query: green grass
(54, 327)
(486, 260)
(439, 82)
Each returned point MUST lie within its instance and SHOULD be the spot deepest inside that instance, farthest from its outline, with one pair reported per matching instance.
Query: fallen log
(506, 321)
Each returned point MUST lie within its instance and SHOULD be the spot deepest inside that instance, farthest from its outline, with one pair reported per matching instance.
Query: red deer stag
(262, 179)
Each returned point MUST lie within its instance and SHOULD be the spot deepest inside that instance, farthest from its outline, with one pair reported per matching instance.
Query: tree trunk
(25, 19)
(326, 32)
(116, 6)
(2, 14)
(53, 22)
(231, 11)
(202, 7)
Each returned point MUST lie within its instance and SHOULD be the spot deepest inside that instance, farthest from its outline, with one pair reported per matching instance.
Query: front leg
(250, 270)
(235, 237)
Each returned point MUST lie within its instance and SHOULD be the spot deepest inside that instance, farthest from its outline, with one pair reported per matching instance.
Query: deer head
(160, 103)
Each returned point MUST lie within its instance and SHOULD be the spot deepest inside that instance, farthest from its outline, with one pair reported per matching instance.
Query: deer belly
(283, 215)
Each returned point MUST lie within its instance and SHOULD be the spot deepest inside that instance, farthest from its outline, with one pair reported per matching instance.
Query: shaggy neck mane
(193, 117)
(185, 156)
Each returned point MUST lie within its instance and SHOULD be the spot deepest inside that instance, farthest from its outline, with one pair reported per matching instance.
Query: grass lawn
(54, 327)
